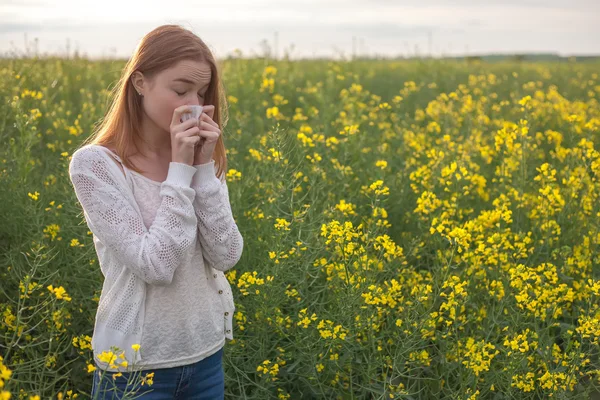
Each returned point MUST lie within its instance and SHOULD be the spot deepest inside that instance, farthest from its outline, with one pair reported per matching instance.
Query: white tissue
(195, 112)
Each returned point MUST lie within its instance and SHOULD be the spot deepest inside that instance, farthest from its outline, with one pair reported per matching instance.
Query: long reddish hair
(158, 50)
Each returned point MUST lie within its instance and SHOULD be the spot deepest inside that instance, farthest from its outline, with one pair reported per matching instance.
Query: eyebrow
(184, 80)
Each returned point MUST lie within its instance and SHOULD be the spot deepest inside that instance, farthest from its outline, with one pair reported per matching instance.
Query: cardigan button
(226, 313)
(228, 330)
(214, 275)
(220, 291)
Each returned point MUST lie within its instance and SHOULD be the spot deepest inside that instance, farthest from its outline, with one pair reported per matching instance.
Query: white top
(163, 248)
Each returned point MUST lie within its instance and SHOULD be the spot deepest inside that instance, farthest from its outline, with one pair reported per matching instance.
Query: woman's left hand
(209, 134)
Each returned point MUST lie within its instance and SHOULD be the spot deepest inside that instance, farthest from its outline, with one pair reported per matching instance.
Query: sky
(308, 28)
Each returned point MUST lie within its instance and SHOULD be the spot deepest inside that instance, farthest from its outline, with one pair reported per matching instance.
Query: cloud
(314, 24)
(34, 28)
(23, 3)
(556, 4)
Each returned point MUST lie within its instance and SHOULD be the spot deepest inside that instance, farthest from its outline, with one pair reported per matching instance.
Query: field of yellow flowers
(413, 229)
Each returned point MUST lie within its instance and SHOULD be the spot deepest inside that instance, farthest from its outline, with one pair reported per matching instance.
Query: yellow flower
(349, 130)
(59, 292)
(107, 357)
(282, 224)
(270, 70)
(272, 112)
(135, 347)
(233, 175)
(52, 230)
(381, 164)
(34, 195)
(148, 379)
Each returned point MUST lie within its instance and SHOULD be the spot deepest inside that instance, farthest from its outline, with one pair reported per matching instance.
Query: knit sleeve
(221, 241)
(153, 253)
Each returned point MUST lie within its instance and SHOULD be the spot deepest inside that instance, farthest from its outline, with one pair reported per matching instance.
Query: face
(185, 83)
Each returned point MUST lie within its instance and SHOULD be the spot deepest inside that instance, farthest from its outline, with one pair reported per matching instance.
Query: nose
(196, 101)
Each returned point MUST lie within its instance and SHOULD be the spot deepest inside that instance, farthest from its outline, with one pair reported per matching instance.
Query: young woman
(154, 195)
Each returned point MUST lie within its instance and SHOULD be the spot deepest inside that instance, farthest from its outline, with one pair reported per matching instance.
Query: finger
(209, 135)
(209, 109)
(189, 123)
(208, 126)
(205, 117)
(193, 141)
(178, 112)
(184, 126)
(193, 131)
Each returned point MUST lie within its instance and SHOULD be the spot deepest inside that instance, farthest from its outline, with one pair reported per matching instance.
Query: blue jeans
(204, 380)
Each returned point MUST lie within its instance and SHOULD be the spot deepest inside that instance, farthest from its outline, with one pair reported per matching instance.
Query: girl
(154, 195)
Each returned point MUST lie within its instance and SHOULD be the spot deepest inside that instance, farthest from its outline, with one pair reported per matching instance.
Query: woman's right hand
(184, 136)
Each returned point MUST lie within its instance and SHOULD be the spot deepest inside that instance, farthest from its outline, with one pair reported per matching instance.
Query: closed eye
(181, 94)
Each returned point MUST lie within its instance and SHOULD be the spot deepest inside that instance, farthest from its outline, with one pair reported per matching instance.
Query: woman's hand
(184, 137)
(209, 134)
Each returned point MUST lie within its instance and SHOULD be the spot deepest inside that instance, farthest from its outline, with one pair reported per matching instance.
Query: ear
(137, 80)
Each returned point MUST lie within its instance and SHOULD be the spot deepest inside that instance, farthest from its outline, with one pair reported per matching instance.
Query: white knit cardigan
(195, 205)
